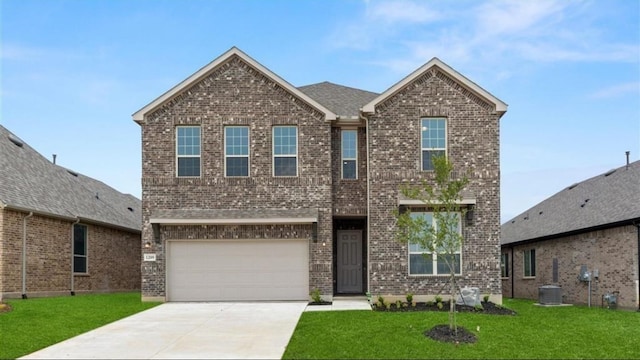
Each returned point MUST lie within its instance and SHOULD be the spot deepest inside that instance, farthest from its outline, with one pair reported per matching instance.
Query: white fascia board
(501, 107)
(416, 202)
(138, 116)
(254, 221)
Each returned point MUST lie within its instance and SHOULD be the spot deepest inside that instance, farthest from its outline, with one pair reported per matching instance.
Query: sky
(73, 72)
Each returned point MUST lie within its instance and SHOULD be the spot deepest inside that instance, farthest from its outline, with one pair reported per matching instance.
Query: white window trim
(524, 264)
(274, 156)
(248, 156)
(435, 255)
(188, 156)
(342, 131)
(86, 251)
(423, 149)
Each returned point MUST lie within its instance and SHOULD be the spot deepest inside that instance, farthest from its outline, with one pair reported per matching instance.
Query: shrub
(409, 298)
(438, 299)
(315, 296)
(486, 298)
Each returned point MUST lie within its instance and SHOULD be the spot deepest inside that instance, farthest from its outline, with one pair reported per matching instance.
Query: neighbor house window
(424, 262)
(285, 151)
(434, 140)
(530, 263)
(188, 150)
(349, 154)
(236, 150)
(79, 249)
(504, 265)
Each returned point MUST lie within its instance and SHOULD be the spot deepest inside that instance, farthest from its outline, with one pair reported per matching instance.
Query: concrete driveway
(188, 331)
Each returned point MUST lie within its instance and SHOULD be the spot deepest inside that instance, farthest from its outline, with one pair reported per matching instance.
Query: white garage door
(238, 270)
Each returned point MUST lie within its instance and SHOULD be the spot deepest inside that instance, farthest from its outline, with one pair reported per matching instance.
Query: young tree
(440, 233)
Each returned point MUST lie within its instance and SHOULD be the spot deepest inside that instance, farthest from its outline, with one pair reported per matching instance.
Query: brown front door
(349, 261)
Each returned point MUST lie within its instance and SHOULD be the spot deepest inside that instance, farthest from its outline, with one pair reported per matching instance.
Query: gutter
(72, 286)
(513, 285)
(637, 224)
(24, 254)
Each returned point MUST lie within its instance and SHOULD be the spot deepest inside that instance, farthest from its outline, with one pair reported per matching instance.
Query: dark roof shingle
(608, 198)
(342, 100)
(30, 182)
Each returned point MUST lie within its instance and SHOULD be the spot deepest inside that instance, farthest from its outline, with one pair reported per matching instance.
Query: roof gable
(30, 182)
(138, 116)
(499, 106)
(603, 200)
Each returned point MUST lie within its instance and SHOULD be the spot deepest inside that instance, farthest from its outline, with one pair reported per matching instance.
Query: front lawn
(39, 322)
(536, 332)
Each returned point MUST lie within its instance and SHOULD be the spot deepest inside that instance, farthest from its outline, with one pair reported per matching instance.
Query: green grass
(536, 332)
(39, 322)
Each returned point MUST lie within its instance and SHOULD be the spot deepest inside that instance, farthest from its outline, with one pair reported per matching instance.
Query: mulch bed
(487, 308)
(4, 308)
(320, 303)
(442, 332)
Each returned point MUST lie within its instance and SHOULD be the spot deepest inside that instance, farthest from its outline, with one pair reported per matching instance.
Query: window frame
(184, 156)
(344, 159)
(227, 156)
(504, 265)
(434, 255)
(526, 254)
(424, 148)
(273, 150)
(84, 256)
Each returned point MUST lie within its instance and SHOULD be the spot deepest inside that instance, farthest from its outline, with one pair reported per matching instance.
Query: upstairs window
(504, 265)
(188, 151)
(434, 140)
(424, 262)
(236, 150)
(285, 151)
(80, 249)
(349, 154)
(530, 263)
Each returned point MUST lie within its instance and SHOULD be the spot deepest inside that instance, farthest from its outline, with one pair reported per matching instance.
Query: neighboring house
(589, 227)
(254, 189)
(62, 232)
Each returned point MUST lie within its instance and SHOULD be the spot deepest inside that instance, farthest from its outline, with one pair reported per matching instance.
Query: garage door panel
(238, 270)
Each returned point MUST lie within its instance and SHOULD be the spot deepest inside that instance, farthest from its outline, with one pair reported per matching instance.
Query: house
(254, 189)
(584, 239)
(60, 231)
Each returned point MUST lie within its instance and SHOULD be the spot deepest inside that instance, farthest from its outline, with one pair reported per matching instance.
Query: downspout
(366, 127)
(73, 292)
(24, 254)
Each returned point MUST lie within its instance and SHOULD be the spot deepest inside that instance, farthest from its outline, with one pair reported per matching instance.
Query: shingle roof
(342, 100)
(609, 198)
(30, 182)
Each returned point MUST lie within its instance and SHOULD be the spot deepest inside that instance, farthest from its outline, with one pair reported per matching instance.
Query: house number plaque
(149, 257)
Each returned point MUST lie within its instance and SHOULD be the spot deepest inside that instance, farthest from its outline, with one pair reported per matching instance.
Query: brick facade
(612, 251)
(473, 148)
(113, 257)
(235, 92)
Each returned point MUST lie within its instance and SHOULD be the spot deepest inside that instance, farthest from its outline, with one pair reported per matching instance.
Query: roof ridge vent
(72, 172)
(572, 186)
(610, 172)
(16, 140)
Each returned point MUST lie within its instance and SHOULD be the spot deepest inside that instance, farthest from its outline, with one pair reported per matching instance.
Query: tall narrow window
(530, 263)
(504, 265)
(188, 150)
(285, 151)
(434, 140)
(349, 154)
(236, 150)
(80, 249)
(424, 262)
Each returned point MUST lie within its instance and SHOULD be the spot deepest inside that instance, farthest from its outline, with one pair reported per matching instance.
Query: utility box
(469, 296)
(550, 295)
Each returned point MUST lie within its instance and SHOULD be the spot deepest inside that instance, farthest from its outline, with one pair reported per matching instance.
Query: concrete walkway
(188, 331)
